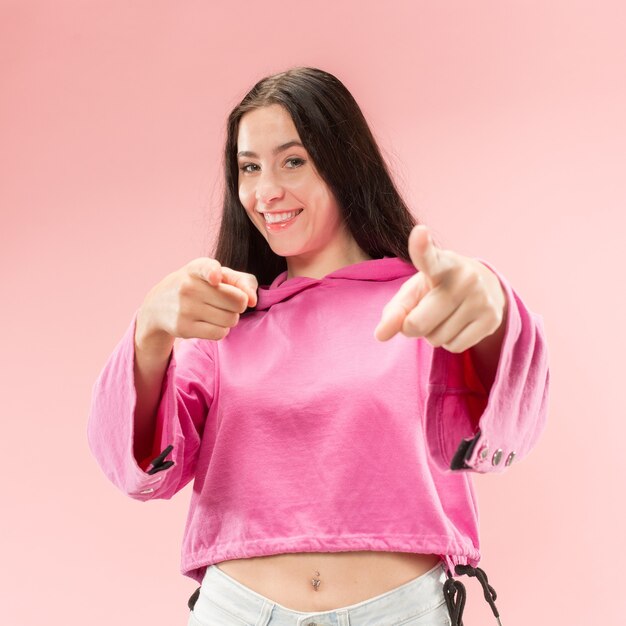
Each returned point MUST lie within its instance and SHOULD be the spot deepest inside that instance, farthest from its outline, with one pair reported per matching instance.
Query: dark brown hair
(334, 132)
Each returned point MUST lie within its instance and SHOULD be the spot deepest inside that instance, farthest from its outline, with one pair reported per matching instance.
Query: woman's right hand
(202, 299)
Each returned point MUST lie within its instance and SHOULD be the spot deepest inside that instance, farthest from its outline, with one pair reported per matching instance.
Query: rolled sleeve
(186, 396)
(470, 430)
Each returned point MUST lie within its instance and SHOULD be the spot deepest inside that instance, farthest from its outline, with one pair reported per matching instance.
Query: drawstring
(193, 599)
(452, 588)
(454, 593)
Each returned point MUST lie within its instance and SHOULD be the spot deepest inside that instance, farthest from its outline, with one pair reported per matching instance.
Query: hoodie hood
(282, 288)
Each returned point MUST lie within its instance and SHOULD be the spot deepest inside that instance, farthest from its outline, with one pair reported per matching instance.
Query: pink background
(504, 124)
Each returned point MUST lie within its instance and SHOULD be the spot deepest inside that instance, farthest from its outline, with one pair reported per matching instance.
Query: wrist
(149, 338)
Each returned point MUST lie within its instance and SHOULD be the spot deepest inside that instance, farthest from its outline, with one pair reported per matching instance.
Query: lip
(280, 211)
(282, 225)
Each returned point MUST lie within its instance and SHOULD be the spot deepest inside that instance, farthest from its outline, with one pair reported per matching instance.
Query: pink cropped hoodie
(302, 432)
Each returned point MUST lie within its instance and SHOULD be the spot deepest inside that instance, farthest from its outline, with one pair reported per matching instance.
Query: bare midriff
(325, 581)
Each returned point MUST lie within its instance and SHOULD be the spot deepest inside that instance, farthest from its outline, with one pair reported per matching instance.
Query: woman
(331, 455)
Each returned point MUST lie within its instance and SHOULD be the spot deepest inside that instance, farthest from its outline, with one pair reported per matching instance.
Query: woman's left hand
(453, 301)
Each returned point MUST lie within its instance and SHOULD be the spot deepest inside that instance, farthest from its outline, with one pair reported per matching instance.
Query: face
(276, 175)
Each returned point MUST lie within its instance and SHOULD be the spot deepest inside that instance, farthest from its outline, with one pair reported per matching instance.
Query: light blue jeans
(224, 601)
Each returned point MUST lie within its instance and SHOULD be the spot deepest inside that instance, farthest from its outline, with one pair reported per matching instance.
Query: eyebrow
(275, 151)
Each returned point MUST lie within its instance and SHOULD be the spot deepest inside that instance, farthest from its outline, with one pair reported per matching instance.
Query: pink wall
(505, 125)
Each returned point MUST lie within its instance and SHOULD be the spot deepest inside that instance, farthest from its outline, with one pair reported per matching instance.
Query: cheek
(325, 202)
(319, 192)
(246, 195)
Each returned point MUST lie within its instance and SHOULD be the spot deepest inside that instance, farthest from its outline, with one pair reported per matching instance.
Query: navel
(316, 581)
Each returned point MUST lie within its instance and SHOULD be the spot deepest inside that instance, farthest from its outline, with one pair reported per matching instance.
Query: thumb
(424, 254)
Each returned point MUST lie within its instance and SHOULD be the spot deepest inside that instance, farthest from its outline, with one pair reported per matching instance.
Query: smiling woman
(298, 138)
(331, 467)
(287, 200)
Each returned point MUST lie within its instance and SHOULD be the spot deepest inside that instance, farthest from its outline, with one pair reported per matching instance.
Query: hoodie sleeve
(468, 429)
(186, 396)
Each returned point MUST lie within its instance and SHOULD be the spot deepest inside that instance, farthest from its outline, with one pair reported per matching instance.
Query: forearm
(152, 356)
(486, 354)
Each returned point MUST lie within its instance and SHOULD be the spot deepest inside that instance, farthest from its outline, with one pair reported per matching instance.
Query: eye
(297, 160)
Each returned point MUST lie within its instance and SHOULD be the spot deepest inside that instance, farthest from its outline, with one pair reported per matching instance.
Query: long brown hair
(336, 135)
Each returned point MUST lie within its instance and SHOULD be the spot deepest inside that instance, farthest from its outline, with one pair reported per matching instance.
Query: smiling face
(277, 175)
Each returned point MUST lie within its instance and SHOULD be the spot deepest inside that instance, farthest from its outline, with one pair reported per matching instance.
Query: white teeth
(280, 217)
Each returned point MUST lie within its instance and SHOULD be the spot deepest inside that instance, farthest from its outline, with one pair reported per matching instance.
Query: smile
(274, 218)
(280, 221)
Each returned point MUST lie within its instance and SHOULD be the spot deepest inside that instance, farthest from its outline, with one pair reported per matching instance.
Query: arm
(485, 355)
(175, 424)
(478, 425)
(152, 358)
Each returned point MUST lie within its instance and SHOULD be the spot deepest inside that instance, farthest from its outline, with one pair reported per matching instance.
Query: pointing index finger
(238, 279)
(396, 310)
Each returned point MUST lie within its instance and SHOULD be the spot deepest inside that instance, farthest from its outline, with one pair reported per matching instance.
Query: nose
(268, 188)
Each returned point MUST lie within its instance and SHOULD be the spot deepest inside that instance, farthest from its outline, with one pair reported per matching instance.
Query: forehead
(265, 127)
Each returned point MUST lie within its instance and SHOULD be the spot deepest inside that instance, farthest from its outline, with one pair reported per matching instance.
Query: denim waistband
(420, 595)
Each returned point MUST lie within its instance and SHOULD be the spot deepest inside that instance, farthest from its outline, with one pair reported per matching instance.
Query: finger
(451, 322)
(425, 256)
(231, 298)
(395, 311)
(206, 268)
(214, 273)
(432, 310)
(222, 296)
(244, 281)
(469, 336)
(206, 330)
(216, 315)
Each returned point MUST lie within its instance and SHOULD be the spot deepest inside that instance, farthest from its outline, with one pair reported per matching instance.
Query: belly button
(316, 581)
